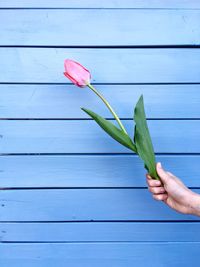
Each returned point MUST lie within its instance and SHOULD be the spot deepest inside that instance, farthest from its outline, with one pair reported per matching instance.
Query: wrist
(195, 204)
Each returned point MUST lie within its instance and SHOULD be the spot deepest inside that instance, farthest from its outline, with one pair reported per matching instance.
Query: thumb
(162, 173)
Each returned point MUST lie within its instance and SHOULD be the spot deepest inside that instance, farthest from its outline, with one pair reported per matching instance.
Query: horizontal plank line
(102, 221)
(98, 242)
(89, 119)
(80, 187)
(70, 242)
(73, 187)
(96, 8)
(192, 46)
(111, 83)
(93, 154)
(97, 154)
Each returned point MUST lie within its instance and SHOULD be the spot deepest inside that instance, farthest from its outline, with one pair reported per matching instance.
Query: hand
(173, 192)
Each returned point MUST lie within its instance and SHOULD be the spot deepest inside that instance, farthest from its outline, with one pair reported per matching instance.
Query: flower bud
(76, 73)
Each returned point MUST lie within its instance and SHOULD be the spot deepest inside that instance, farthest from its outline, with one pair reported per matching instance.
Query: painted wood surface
(111, 27)
(81, 199)
(64, 101)
(45, 65)
(99, 254)
(84, 205)
(93, 171)
(100, 4)
(85, 136)
(100, 232)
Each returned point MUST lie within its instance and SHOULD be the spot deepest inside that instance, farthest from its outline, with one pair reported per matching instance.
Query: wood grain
(141, 27)
(114, 4)
(64, 101)
(93, 171)
(99, 254)
(100, 232)
(85, 136)
(84, 205)
(45, 65)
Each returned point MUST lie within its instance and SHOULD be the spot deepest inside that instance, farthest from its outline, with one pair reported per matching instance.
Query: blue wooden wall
(71, 195)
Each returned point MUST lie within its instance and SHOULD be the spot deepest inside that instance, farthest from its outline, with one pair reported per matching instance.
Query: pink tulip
(76, 73)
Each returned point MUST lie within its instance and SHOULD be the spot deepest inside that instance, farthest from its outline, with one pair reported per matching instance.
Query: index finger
(148, 176)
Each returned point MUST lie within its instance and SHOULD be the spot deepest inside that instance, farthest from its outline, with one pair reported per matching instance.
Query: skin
(172, 191)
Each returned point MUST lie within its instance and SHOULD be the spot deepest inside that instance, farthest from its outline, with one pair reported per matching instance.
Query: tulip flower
(141, 143)
(76, 73)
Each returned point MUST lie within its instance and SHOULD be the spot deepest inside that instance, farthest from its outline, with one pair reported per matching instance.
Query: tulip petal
(76, 73)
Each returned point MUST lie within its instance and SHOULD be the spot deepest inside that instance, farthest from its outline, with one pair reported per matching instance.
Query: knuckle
(158, 183)
(155, 197)
(161, 190)
(158, 197)
(155, 190)
(152, 183)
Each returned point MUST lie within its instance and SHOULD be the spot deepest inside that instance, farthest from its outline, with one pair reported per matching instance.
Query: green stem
(108, 106)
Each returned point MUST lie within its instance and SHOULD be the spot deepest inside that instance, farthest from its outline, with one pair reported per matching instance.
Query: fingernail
(159, 165)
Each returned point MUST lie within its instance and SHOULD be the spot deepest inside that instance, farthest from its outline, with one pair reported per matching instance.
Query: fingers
(165, 176)
(161, 197)
(171, 174)
(156, 188)
(153, 182)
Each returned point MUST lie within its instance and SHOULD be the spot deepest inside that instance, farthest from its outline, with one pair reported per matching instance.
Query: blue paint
(45, 65)
(100, 254)
(118, 27)
(93, 170)
(115, 4)
(64, 101)
(100, 232)
(85, 136)
(84, 205)
(91, 209)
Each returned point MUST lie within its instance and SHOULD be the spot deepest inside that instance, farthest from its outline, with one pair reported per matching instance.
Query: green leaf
(142, 139)
(112, 130)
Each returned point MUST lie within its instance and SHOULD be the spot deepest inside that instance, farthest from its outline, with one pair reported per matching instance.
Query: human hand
(172, 191)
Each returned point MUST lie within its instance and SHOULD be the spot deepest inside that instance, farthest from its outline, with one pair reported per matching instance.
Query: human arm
(173, 192)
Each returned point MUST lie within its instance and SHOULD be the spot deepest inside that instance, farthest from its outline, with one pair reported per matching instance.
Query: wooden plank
(85, 136)
(84, 205)
(141, 27)
(94, 171)
(64, 101)
(100, 232)
(45, 65)
(100, 4)
(99, 254)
